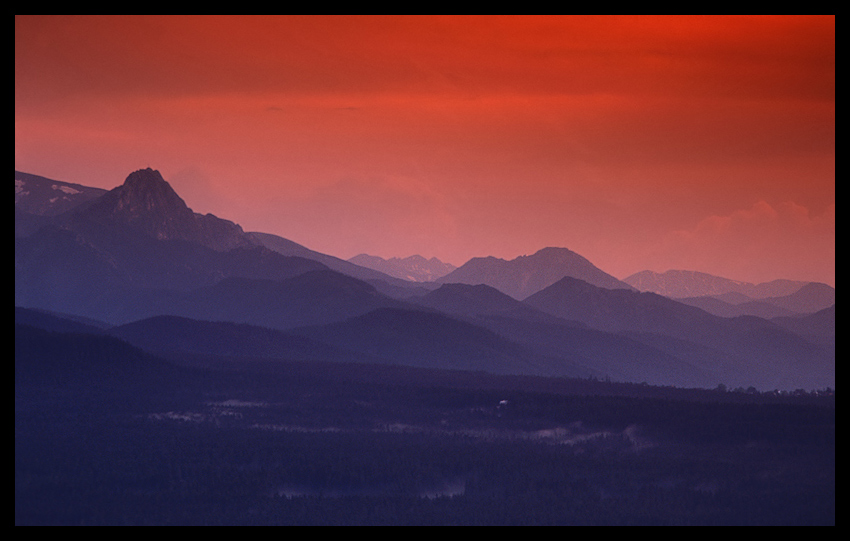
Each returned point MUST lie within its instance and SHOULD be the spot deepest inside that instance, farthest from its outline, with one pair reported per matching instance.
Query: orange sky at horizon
(699, 143)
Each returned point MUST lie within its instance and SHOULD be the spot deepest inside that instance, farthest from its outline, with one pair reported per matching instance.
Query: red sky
(700, 143)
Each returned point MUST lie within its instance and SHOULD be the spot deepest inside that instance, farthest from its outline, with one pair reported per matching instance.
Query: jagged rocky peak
(144, 177)
(146, 190)
(146, 202)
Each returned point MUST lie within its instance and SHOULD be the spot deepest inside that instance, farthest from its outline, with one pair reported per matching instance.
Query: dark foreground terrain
(107, 434)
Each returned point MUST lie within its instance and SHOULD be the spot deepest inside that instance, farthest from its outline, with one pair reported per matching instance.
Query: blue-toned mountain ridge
(138, 252)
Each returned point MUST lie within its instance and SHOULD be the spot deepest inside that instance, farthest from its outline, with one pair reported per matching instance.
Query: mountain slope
(479, 301)
(78, 359)
(526, 275)
(809, 299)
(119, 274)
(133, 251)
(747, 350)
(42, 196)
(41, 201)
(714, 305)
(146, 204)
(818, 327)
(171, 335)
(568, 344)
(433, 340)
(57, 322)
(387, 284)
(310, 298)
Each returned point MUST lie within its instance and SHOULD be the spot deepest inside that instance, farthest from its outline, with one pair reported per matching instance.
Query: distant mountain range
(680, 284)
(526, 275)
(414, 268)
(389, 284)
(137, 264)
(731, 298)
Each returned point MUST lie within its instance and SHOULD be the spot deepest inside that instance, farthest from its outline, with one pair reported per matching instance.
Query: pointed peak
(147, 180)
(146, 202)
(147, 188)
(144, 176)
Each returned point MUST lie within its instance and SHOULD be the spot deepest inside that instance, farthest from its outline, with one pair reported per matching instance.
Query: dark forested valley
(106, 433)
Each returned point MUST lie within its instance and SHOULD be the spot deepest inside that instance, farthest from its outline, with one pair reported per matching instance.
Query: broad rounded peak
(555, 251)
(550, 249)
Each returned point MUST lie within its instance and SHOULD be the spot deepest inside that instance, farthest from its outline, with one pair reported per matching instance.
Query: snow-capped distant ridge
(42, 196)
(415, 268)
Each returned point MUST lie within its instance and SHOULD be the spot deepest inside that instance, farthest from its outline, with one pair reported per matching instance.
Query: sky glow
(699, 143)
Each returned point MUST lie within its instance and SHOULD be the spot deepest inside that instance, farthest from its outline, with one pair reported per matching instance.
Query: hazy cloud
(759, 243)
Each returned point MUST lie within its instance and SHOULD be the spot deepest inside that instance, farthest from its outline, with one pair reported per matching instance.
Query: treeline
(144, 472)
(99, 440)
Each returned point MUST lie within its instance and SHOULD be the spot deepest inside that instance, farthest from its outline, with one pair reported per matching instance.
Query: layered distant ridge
(526, 275)
(414, 268)
(137, 256)
(679, 284)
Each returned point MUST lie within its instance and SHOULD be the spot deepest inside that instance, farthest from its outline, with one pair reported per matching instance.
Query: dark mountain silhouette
(810, 298)
(385, 283)
(311, 298)
(138, 253)
(604, 355)
(524, 340)
(48, 321)
(684, 284)
(617, 310)
(508, 341)
(613, 356)
(118, 274)
(414, 268)
(818, 327)
(175, 336)
(130, 253)
(527, 275)
(718, 307)
(526, 335)
(62, 359)
(147, 203)
(41, 201)
(42, 196)
(479, 300)
(434, 340)
(741, 349)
